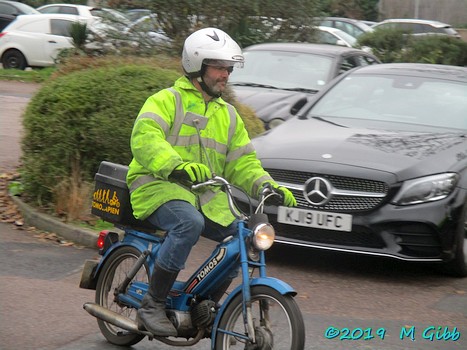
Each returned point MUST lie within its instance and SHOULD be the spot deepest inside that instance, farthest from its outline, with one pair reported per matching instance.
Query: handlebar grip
(275, 197)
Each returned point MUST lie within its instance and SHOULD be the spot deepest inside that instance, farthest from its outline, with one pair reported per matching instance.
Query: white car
(418, 27)
(113, 26)
(67, 9)
(113, 17)
(334, 36)
(350, 26)
(36, 40)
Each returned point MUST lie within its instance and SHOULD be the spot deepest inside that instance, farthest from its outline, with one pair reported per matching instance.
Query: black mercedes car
(279, 78)
(378, 165)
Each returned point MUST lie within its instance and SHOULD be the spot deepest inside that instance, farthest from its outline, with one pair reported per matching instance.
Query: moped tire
(113, 272)
(277, 319)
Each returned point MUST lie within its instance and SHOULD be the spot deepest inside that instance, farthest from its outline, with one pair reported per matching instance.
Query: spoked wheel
(277, 320)
(113, 273)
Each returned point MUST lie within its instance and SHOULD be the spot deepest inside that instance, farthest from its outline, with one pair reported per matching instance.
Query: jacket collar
(186, 84)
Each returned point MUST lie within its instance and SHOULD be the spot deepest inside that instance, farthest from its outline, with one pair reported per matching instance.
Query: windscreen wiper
(320, 118)
(255, 85)
(311, 91)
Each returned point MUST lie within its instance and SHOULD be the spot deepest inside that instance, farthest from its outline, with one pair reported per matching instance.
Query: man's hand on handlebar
(283, 195)
(191, 172)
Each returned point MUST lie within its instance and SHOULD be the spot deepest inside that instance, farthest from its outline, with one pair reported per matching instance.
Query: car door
(57, 38)
(42, 38)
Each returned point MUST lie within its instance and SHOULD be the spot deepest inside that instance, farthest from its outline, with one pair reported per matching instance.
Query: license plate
(317, 219)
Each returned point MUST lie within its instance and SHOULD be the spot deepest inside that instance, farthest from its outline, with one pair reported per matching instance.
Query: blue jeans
(184, 225)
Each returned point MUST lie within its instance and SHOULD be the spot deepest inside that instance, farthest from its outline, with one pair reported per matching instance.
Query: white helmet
(209, 44)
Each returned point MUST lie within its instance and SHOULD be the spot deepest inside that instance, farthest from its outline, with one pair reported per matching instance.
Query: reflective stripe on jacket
(164, 136)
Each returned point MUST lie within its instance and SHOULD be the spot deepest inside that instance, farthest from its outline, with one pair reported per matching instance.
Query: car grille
(342, 204)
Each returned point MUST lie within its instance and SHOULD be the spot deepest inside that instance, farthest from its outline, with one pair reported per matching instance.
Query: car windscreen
(284, 70)
(396, 98)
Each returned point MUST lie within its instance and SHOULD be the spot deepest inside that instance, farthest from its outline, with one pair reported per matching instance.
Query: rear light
(105, 240)
(2, 34)
(101, 238)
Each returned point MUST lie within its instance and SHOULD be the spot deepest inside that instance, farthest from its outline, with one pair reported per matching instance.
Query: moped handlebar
(266, 193)
(220, 181)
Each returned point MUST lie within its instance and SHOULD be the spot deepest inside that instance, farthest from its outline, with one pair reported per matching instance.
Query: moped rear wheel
(277, 319)
(114, 271)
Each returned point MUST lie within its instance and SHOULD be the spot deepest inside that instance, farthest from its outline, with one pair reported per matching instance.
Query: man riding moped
(184, 135)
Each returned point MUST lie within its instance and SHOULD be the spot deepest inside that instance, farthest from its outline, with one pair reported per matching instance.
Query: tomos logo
(207, 269)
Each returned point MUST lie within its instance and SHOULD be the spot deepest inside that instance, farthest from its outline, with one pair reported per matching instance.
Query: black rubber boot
(151, 315)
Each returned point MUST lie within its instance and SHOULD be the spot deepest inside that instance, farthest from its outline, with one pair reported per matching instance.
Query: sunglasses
(228, 69)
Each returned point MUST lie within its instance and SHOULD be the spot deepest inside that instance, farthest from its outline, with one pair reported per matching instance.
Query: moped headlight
(263, 236)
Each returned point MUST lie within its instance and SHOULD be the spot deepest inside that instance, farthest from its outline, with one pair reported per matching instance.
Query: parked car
(67, 9)
(279, 78)
(112, 17)
(351, 26)
(9, 10)
(149, 30)
(35, 40)
(378, 165)
(418, 27)
(16, 8)
(334, 36)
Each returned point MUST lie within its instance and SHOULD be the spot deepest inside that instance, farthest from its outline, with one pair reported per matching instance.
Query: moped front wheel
(114, 271)
(278, 322)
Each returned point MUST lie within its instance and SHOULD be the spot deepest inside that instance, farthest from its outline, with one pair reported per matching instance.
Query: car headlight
(426, 189)
(263, 236)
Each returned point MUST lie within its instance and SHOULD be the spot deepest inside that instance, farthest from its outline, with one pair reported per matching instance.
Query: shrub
(386, 44)
(437, 49)
(395, 45)
(83, 116)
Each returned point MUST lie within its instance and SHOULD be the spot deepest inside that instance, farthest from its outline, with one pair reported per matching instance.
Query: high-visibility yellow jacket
(164, 136)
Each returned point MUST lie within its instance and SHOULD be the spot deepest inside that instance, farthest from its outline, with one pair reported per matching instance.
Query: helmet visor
(223, 63)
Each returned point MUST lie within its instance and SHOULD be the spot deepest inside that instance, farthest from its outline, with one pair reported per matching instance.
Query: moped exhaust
(129, 325)
(112, 317)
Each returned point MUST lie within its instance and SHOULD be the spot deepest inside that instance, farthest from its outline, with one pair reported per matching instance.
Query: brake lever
(209, 182)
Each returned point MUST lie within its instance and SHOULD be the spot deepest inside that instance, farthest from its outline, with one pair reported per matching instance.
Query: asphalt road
(386, 304)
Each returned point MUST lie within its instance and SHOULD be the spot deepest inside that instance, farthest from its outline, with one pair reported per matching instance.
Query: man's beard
(219, 87)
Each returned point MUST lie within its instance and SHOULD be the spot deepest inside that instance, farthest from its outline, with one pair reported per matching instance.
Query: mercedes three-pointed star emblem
(317, 191)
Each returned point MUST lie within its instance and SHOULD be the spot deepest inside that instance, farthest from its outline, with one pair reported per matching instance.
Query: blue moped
(260, 313)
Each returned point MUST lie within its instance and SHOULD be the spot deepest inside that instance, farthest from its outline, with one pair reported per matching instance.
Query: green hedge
(395, 45)
(78, 119)
(81, 119)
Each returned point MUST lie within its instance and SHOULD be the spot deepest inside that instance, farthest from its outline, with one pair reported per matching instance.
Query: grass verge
(36, 75)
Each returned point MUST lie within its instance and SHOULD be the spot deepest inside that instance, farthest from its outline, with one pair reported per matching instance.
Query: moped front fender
(274, 283)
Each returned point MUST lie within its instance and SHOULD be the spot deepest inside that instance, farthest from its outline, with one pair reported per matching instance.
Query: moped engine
(203, 314)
